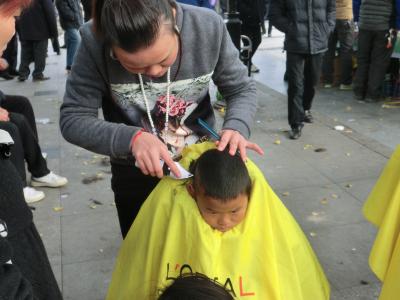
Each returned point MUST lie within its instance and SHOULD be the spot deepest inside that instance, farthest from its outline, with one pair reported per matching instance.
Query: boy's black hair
(195, 287)
(220, 175)
(132, 24)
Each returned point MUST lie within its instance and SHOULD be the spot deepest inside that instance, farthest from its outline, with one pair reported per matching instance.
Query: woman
(32, 277)
(150, 73)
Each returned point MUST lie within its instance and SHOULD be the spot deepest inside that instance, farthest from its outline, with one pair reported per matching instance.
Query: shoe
(22, 78)
(31, 195)
(40, 78)
(346, 87)
(269, 35)
(6, 76)
(328, 85)
(295, 133)
(254, 69)
(308, 118)
(63, 46)
(49, 180)
(285, 77)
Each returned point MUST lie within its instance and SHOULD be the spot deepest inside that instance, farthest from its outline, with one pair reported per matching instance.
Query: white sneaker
(49, 180)
(31, 195)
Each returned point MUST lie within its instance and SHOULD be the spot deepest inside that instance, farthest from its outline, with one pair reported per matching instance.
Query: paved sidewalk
(323, 190)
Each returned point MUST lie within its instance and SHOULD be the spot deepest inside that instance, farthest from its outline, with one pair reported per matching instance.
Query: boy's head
(221, 186)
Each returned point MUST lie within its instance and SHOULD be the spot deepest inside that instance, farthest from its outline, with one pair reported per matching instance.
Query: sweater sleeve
(230, 75)
(85, 89)
(51, 20)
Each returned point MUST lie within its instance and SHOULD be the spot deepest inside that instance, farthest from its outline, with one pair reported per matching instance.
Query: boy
(221, 187)
(237, 232)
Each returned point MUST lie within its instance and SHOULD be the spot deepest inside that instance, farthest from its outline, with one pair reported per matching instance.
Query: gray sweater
(97, 81)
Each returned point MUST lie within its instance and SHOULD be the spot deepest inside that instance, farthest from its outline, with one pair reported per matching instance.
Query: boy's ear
(190, 189)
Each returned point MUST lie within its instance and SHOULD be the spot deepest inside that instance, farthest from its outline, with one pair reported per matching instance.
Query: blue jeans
(72, 40)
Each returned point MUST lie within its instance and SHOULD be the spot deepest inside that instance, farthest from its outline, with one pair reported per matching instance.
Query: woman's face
(154, 60)
(7, 28)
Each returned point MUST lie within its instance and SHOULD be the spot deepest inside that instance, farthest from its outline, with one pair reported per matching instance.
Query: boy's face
(220, 215)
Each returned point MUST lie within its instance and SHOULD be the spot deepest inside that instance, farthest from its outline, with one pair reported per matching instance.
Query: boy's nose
(155, 71)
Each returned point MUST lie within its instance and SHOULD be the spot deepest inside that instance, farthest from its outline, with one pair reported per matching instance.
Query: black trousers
(33, 51)
(11, 54)
(131, 188)
(343, 33)
(22, 129)
(373, 60)
(254, 33)
(303, 72)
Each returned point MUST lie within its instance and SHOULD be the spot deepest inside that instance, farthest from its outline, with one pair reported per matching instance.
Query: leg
(295, 73)
(379, 64)
(21, 105)
(37, 165)
(254, 33)
(72, 39)
(329, 57)
(312, 71)
(131, 189)
(363, 62)
(11, 54)
(39, 53)
(345, 34)
(26, 59)
(17, 151)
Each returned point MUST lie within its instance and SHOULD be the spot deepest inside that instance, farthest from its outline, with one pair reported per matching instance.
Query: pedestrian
(71, 19)
(151, 79)
(377, 19)
(17, 118)
(35, 26)
(28, 253)
(252, 13)
(344, 33)
(307, 26)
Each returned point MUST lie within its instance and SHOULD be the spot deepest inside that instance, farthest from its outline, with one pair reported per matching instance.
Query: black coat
(252, 12)
(70, 13)
(307, 24)
(38, 22)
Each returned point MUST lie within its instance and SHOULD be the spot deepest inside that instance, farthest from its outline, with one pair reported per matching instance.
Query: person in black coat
(35, 26)
(307, 25)
(26, 270)
(252, 14)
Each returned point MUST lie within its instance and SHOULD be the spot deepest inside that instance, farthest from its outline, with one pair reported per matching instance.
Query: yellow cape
(382, 208)
(265, 257)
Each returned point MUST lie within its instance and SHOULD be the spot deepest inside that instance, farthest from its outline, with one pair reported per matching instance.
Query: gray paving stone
(87, 280)
(343, 252)
(321, 206)
(92, 236)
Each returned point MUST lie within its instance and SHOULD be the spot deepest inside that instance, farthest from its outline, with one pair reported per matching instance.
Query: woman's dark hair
(220, 175)
(195, 287)
(132, 24)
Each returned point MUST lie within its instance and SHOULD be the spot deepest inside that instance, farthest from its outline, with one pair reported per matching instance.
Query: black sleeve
(65, 10)
(49, 11)
(12, 284)
(278, 15)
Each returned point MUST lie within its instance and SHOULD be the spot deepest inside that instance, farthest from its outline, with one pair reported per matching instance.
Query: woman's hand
(148, 151)
(4, 116)
(236, 142)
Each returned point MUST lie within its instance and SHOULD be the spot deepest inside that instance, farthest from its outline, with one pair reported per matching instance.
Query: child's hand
(4, 116)
(236, 142)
